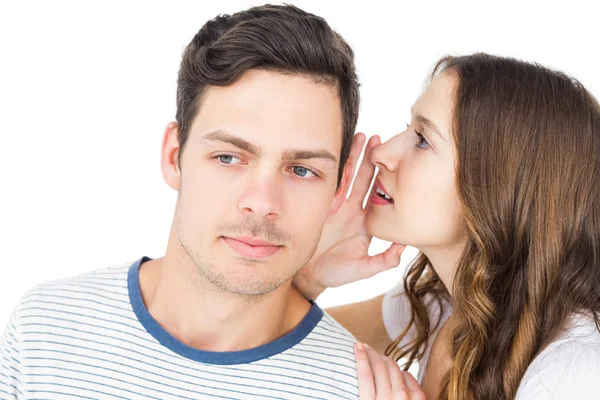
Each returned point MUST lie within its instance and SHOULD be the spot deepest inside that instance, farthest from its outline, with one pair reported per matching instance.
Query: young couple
(494, 180)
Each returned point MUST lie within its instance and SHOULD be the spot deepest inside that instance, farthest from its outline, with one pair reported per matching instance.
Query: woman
(496, 182)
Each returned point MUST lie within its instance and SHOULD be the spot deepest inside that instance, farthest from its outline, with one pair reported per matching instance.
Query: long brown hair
(527, 176)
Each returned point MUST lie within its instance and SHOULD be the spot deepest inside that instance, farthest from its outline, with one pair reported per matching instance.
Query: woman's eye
(423, 143)
(228, 159)
(303, 172)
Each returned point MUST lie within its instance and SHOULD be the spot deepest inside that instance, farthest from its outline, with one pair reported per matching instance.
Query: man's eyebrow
(429, 124)
(291, 155)
(288, 155)
(226, 137)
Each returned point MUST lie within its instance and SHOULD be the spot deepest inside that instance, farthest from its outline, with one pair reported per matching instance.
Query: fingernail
(360, 346)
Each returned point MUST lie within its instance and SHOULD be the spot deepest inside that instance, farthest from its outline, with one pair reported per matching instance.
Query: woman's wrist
(306, 285)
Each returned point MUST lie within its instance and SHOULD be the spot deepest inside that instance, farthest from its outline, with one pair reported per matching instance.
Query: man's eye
(228, 159)
(303, 172)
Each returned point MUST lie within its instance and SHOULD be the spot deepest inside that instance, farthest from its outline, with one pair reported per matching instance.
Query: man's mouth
(250, 247)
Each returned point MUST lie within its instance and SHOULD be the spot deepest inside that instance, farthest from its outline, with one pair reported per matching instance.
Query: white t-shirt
(91, 337)
(569, 368)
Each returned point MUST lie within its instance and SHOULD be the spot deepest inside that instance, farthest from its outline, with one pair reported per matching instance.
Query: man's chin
(246, 288)
(242, 277)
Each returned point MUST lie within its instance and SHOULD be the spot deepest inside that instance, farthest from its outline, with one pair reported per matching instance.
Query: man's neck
(206, 318)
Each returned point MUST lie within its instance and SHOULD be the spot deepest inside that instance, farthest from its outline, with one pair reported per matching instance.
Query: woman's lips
(378, 200)
(379, 196)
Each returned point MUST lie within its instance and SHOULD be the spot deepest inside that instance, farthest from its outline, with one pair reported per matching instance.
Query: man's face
(258, 179)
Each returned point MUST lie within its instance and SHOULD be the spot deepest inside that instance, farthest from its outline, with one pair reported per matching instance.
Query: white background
(86, 89)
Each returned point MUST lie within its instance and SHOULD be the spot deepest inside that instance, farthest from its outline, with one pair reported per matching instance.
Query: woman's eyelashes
(299, 171)
(422, 143)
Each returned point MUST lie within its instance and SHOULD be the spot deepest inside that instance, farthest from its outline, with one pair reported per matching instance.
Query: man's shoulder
(99, 289)
(107, 277)
(327, 353)
(331, 340)
(329, 327)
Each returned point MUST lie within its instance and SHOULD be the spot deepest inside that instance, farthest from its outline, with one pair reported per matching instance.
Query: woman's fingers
(380, 378)
(413, 386)
(398, 386)
(383, 386)
(366, 382)
(357, 147)
(358, 142)
(372, 265)
(365, 173)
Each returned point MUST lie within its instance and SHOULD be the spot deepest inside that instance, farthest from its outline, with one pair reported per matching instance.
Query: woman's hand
(380, 378)
(342, 254)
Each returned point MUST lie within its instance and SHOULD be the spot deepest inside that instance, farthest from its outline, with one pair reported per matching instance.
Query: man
(267, 104)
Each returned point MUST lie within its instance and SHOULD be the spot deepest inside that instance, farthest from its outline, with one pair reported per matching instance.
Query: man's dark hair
(279, 38)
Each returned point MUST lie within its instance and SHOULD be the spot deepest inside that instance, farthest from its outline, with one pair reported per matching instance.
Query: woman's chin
(383, 228)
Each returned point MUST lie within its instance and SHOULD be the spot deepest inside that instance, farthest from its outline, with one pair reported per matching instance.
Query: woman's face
(417, 174)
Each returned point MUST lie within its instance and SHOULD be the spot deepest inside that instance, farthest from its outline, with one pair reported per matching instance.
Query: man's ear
(169, 155)
(342, 190)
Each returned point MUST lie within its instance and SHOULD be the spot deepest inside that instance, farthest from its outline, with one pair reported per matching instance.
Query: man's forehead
(287, 102)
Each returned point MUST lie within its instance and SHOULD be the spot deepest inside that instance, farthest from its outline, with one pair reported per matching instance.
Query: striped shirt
(91, 337)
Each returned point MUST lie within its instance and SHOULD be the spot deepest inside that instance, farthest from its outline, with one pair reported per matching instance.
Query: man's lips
(250, 247)
(253, 241)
